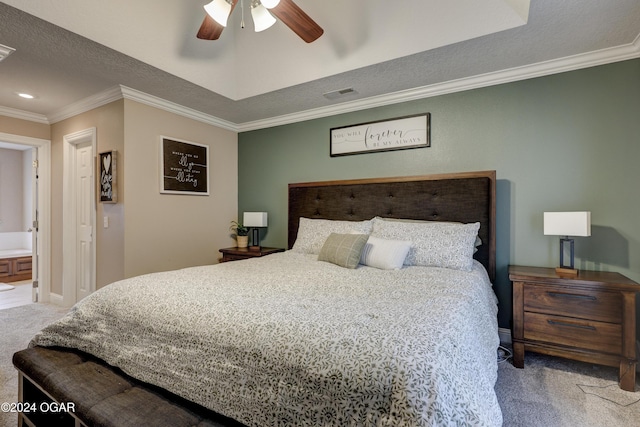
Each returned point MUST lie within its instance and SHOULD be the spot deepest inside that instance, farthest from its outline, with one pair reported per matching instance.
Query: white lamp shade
(219, 10)
(269, 4)
(255, 219)
(567, 223)
(262, 19)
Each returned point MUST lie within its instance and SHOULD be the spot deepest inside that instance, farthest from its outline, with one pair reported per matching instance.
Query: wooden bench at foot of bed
(75, 389)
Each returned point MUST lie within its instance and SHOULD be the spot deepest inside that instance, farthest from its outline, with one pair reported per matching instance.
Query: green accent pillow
(343, 249)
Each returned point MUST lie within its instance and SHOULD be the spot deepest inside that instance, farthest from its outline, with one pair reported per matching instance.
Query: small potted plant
(241, 234)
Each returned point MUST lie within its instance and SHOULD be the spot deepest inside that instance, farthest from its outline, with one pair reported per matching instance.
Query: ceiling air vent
(5, 51)
(339, 93)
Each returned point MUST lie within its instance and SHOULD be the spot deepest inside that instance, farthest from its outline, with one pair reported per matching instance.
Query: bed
(380, 314)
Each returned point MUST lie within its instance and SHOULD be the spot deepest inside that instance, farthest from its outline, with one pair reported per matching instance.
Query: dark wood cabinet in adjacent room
(15, 269)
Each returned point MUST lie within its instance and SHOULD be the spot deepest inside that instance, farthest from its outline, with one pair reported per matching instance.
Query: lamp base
(564, 271)
(255, 239)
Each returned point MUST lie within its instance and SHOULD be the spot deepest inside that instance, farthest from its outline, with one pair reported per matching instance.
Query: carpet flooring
(17, 326)
(552, 392)
(549, 392)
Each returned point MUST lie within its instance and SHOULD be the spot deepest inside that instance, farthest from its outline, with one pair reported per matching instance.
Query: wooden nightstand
(234, 254)
(590, 317)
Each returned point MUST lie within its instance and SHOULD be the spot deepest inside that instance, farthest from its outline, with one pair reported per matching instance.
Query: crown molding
(556, 66)
(571, 63)
(154, 101)
(23, 115)
(123, 92)
(86, 104)
(5, 51)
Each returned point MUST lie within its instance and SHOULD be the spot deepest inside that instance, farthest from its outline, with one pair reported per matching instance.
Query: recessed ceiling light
(26, 96)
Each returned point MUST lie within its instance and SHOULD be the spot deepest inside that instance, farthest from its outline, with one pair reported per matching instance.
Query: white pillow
(476, 244)
(384, 253)
(312, 233)
(434, 244)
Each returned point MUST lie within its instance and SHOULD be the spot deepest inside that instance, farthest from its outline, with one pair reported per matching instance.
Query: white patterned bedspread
(288, 340)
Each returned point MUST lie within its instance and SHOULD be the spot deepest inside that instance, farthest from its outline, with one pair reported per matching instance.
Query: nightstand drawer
(597, 336)
(232, 257)
(565, 301)
(589, 317)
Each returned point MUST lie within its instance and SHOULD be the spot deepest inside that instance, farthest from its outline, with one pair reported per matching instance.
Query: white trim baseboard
(56, 299)
(505, 336)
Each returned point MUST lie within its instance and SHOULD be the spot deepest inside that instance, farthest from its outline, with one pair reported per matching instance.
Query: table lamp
(255, 220)
(567, 224)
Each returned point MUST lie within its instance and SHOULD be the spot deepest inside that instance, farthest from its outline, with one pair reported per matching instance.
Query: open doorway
(24, 220)
(16, 195)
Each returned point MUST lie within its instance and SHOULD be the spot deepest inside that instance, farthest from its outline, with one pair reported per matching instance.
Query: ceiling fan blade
(299, 22)
(210, 29)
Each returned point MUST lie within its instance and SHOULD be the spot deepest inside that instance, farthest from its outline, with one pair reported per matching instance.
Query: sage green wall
(564, 142)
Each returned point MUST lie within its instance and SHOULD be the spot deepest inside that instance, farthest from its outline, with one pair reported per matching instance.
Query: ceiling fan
(287, 11)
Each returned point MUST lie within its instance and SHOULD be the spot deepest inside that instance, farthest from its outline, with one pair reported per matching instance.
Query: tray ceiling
(69, 50)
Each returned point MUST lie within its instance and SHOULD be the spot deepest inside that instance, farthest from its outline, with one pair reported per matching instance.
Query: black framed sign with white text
(184, 167)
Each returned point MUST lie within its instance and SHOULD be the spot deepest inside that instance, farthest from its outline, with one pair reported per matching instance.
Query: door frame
(43, 251)
(69, 223)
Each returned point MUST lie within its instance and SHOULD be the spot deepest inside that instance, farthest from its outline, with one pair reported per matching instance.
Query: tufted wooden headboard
(460, 197)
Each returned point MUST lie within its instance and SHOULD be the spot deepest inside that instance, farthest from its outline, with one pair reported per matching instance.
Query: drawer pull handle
(571, 325)
(561, 295)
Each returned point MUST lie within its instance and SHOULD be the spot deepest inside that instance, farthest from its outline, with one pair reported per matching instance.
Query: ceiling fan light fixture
(269, 4)
(219, 10)
(262, 19)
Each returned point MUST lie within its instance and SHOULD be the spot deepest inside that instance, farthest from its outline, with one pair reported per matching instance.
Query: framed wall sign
(184, 167)
(383, 135)
(107, 184)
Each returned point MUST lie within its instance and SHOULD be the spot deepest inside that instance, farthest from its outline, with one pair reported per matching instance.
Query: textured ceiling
(243, 63)
(62, 67)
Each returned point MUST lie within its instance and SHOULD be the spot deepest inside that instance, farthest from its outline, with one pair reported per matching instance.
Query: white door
(79, 216)
(35, 250)
(84, 232)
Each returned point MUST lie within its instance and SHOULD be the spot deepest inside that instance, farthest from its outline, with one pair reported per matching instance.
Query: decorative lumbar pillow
(385, 254)
(312, 233)
(434, 244)
(343, 249)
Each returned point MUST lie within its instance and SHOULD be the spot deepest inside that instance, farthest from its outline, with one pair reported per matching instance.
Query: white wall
(11, 191)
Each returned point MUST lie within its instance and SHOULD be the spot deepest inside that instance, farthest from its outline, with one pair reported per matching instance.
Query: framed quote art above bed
(382, 135)
(184, 167)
